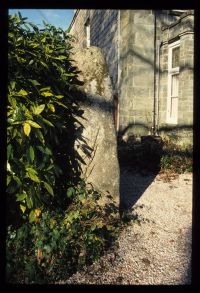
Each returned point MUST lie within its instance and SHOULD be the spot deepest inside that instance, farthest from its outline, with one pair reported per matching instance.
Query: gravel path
(157, 248)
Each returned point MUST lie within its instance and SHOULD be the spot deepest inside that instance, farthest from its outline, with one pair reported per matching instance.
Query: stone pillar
(97, 144)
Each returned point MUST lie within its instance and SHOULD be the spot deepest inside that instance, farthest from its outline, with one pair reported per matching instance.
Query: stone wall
(183, 30)
(103, 27)
(78, 29)
(141, 78)
(136, 85)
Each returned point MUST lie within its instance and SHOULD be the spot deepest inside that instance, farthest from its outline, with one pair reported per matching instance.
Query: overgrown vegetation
(175, 158)
(59, 242)
(55, 224)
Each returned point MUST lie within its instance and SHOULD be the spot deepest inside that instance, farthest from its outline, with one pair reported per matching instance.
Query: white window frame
(88, 35)
(171, 72)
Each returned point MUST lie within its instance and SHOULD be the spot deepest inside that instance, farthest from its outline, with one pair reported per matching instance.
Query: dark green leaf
(21, 197)
(9, 151)
(34, 82)
(29, 202)
(48, 188)
(8, 179)
(31, 154)
(48, 151)
(17, 180)
(70, 192)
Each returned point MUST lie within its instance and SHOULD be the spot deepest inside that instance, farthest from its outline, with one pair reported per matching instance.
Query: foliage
(59, 242)
(176, 158)
(41, 114)
(63, 226)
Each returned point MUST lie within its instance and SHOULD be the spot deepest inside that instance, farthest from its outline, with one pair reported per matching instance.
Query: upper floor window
(173, 82)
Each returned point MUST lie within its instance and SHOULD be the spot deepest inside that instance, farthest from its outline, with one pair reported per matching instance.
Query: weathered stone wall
(137, 70)
(97, 144)
(182, 29)
(78, 29)
(103, 34)
(136, 65)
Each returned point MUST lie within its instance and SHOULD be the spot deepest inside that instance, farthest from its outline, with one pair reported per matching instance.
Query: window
(173, 82)
(87, 28)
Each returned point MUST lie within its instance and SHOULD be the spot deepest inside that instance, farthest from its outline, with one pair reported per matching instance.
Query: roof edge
(73, 19)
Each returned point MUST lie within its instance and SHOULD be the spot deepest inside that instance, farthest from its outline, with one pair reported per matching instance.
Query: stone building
(150, 60)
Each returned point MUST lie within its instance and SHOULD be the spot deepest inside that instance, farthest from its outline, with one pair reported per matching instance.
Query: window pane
(175, 57)
(174, 108)
(174, 88)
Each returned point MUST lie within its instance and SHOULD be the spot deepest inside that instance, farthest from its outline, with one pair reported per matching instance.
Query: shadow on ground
(139, 165)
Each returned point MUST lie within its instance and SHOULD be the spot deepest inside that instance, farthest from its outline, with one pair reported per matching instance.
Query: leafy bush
(63, 227)
(57, 243)
(176, 158)
(41, 115)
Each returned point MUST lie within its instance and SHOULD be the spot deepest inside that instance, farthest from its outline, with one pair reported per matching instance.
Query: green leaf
(9, 151)
(31, 173)
(20, 16)
(33, 177)
(59, 96)
(48, 188)
(39, 243)
(62, 105)
(13, 103)
(33, 124)
(21, 197)
(45, 89)
(48, 151)
(8, 179)
(14, 133)
(70, 192)
(39, 135)
(34, 82)
(12, 84)
(32, 217)
(17, 180)
(27, 129)
(31, 154)
(49, 167)
(45, 65)
(40, 148)
(51, 107)
(23, 208)
(22, 93)
(47, 122)
(29, 202)
(47, 94)
(31, 170)
(37, 110)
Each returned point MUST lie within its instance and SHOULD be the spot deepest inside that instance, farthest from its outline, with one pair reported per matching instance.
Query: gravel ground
(157, 248)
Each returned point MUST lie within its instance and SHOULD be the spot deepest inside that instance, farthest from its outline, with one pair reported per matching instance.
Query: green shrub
(63, 227)
(41, 115)
(57, 243)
